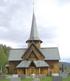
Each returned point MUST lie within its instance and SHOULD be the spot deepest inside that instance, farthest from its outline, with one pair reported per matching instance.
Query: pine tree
(3, 55)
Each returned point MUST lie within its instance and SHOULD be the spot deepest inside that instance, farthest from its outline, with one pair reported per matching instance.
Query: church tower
(34, 37)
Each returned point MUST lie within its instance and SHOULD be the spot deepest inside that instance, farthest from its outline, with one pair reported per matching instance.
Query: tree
(3, 56)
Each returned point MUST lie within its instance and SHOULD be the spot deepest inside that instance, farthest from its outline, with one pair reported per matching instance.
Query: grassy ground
(5, 80)
(26, 79)
(66, 79)
(46, 79)
(42, 79)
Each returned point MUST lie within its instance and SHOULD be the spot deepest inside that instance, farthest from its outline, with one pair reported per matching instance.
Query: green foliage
(3, 55)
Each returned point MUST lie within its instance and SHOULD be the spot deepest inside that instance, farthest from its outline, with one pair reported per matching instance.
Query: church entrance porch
(32, 70)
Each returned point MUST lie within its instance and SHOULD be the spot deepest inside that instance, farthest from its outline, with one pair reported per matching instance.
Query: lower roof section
(41, 63)
(26, 64)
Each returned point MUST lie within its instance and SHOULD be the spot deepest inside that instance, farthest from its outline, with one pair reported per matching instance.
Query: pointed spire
(34, 33)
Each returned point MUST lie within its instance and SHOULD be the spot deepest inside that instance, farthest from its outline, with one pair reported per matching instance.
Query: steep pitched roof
(41, 63)
(24, 64)
(34, 33)
(34, 49)
(50, 53)
(16, 54)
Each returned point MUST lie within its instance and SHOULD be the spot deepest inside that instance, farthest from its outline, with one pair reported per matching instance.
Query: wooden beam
(26, 71)
(39, 70)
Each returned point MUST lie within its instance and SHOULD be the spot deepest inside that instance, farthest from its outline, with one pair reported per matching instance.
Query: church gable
(33, 53)
(32, 56)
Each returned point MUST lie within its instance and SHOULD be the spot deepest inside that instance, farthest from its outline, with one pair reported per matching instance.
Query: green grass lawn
(27, 79)
(42, 79)
(5, 80)
(46, 79)
(66, 79)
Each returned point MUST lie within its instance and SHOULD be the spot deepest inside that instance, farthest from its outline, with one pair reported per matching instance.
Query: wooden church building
(33, 59)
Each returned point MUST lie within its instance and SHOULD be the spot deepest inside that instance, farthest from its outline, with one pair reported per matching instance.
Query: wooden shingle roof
(49, 54)
(16, 54)
(26, 64)
(41, 63)
(34, 33)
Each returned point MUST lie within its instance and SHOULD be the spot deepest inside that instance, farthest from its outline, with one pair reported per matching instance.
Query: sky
(53, 23)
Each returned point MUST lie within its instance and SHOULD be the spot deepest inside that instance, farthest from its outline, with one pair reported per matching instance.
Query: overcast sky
(53, 23)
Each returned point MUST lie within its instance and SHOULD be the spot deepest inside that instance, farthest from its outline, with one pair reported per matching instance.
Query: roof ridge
(48, 47)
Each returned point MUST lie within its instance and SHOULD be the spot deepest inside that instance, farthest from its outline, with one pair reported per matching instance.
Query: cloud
(13, 20)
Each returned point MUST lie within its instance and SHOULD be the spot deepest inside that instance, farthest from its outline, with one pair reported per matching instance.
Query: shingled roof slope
(16, 54)
(49, 53)
(24, 64)
(41, 63)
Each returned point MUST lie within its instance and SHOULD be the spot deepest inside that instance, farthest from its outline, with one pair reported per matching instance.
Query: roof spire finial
(34, 33)
(33, 6)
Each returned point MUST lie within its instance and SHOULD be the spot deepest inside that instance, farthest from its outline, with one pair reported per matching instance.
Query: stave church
(34, 59)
